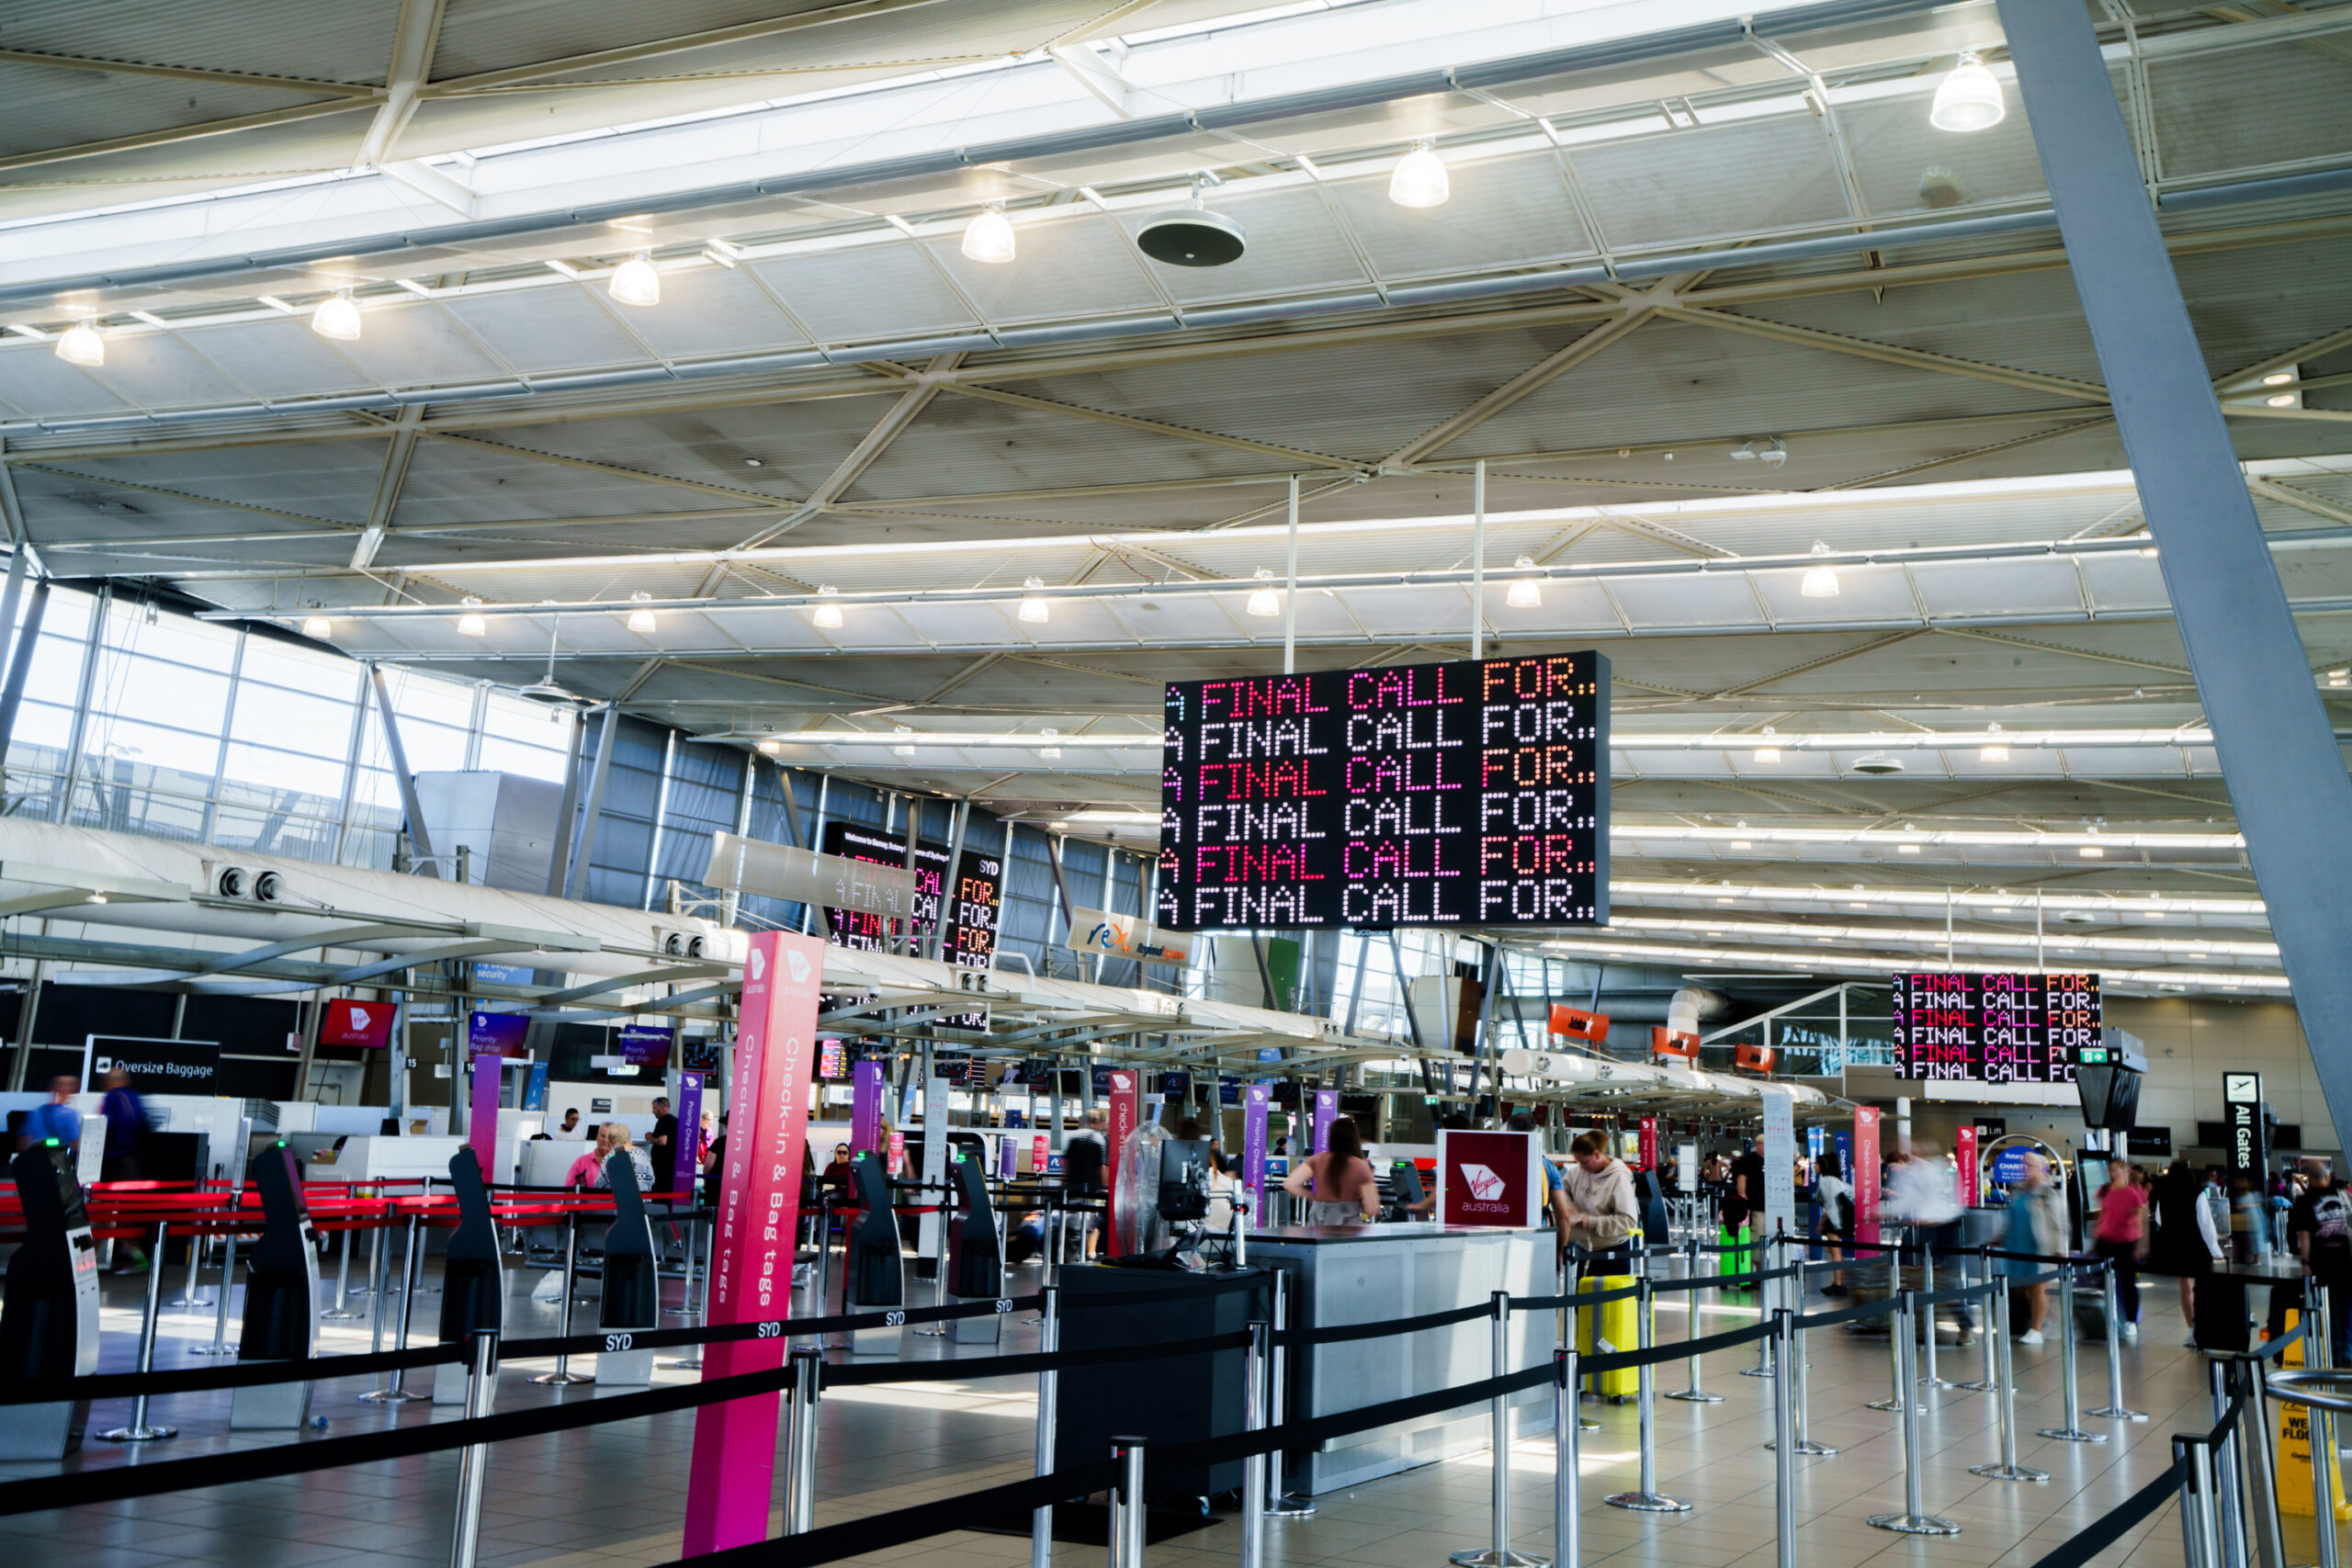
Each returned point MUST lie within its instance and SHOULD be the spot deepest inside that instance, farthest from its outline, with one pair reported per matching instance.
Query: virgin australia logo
(1485, 1185)
(799, 962)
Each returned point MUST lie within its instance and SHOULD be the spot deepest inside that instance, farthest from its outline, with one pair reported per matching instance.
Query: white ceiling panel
(548, 329)
(1999, 588)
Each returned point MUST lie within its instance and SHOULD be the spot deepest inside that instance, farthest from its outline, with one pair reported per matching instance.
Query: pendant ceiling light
(635, 282)
(1526, 590)
(1421, 178)
(1768, 752)
(988, 236)
(471, 623)
(1191, 236)
(641, 621)
(1821, 582)
(828, 617)
(1265, 601)
(1034, 609)
(317, 627)
(1968, 99)
(1994, 750)
(80, 344)
(337, 317)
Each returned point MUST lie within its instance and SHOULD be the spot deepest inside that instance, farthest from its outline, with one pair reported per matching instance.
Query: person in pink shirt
(2121, 1236)
(588, 1170)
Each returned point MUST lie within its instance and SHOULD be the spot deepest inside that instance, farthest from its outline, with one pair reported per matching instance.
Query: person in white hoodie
(1599, 1191)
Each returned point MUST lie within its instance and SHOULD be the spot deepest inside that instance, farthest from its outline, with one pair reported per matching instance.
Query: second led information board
(1463, 794)
(1994, 1028)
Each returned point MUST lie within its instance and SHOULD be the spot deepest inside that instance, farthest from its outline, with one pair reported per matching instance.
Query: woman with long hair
(1338, 1184)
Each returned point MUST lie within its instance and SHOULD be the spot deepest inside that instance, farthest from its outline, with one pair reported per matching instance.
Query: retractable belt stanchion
(1253, 1469)
(1930, 1378)
(2321, 1419)
(139, 1431)
(473, 1461)
(1567, 1501)
(2199, 1546)
(2114, 1409)
(1904, 1396)
(563, 1376)
(1693, 1393)
(189, 1300)
(1645, 1498)
(2229, 1469)
(220, 1346)
(692, 1360)
(1803, 1399)
(1915, 1519)
(1784, 1443)
(1498, 1554)
(1991, 1382)
(342, 1282)
(1041, 1520)
(1280, 1504)
(2261, 1466)
(394, 1390)
(685, 1308)
(1126, 1504)
(1759, 1252)
(2072, 1432)
(1996, 1328)
(800, 1459)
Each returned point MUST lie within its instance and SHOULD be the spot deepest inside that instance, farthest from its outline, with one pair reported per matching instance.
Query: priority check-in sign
(1489, 1179)
(732, 1474)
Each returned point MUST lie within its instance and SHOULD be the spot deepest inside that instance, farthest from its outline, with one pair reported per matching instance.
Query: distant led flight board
(972, 914)
(1995, 1028)
(1463, 794)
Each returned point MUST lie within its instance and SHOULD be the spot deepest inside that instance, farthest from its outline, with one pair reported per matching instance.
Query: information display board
(972, 916)
(1994, 1028)
(1463, 793)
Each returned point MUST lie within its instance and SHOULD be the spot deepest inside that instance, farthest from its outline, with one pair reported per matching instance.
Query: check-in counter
(1350, 1274)
(374, 1157)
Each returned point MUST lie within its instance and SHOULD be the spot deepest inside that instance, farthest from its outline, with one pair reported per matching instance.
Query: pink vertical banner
(732, 1474)
(1124, 1113)
(1865, 1175)
(481, 1117)
(1967, 1173)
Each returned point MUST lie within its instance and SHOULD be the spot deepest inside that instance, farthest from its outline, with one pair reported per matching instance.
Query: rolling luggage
(1609, 1328)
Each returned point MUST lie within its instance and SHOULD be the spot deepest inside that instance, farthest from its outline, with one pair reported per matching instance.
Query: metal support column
(413, 809)
(583, 846)
(2273, 735)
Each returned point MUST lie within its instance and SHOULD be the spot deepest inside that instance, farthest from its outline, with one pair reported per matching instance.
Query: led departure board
(1995, 1028)
(971, 924)
(1464, 793)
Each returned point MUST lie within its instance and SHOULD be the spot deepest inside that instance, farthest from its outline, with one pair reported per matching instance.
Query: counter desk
(1340, 1275)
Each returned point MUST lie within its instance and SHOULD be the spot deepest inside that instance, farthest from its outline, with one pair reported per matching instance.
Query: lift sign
(1464, 793)
(1995, 1028)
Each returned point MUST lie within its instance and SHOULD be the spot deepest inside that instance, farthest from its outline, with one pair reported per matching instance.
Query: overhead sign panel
(886, 891)
(1467, 793)
(1996, 1029)
(977, 892)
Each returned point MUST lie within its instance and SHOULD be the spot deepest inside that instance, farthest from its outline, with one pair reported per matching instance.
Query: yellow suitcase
(1609, 1328)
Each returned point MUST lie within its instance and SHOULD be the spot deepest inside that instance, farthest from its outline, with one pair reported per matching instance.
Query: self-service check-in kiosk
(872, 1279)
(48, 1320)
(473, 1280)
(281, 1322)
(632, 1299)
(975, 1251)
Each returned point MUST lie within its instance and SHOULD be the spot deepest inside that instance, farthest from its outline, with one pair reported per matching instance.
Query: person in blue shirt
(58, 1119)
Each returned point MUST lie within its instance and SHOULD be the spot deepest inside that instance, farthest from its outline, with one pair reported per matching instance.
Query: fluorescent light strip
(2151, 948)
(1842, 742)
(1783, 958)
(1973, 903)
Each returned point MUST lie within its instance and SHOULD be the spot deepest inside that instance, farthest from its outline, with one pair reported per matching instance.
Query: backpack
(1840, 1209)
(2332, 1222)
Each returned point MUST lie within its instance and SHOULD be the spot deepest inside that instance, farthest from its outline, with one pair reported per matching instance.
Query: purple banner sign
(688, 1165)
(481, 1117)
(1327, 1110)
(642, 1045)
(1255, 1098)
(496, 1034)
(866, 1108)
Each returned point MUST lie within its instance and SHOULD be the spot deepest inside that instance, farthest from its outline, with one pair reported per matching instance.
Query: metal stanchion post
(1126, 1504)
(342, 1282)
(394, 1390)
(2261, 1465)
(1757, 1252)
(189, 1299)
(1280, 1504)
(1784, 1446)
(800, 1477)
(2229, 1469)
(1991, 1382)
(1041, 1520)
(2114, 1409)
(1693, 1393)
(1930, 1378)
(1804, 1400)
(2008, 1469)
(473, 1461)
(563, 1376)
(692, 1360)
(220, 1346)
(938, 1273)
(1567, 1498)
(1902, 1398)
(1253, 1469)
(2072, 1432)
(1915, 1519)
(2196, 1503)
(139, 1431)
(1645, 1498)
(1498, 1554)
(2322, 1429)
(685, 1308)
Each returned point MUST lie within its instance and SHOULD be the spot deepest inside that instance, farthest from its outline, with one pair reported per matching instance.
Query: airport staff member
(58, 1119)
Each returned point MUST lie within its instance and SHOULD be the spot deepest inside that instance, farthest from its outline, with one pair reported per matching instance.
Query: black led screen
(1994, 1028)
(1463, 794)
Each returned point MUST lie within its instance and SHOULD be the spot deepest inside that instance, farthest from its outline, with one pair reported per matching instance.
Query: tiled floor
(612, 1496)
